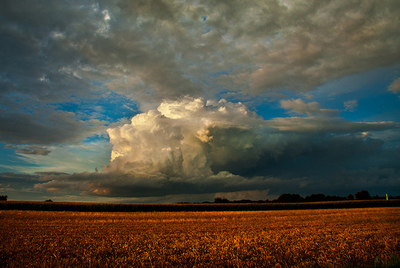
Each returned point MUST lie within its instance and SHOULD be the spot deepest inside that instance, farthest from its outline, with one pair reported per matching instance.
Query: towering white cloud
(177, 139)
(192, 146)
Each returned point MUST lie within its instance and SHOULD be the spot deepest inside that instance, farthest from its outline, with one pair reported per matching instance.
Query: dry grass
(291, 238)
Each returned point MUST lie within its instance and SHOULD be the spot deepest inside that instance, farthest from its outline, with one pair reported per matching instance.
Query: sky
(185, 101)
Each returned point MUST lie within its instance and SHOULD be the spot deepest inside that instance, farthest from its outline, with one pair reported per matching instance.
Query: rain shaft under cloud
(193, 146)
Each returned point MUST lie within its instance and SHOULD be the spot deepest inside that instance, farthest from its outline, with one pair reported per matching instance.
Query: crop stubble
(291, 238)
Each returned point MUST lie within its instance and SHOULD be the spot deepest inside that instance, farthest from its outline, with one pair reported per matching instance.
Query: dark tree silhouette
(315, 198)
(363, 195)
(350, 197)
(3, 198)
(221, 200)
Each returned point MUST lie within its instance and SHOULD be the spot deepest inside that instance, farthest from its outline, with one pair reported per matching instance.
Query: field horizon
(359, 237)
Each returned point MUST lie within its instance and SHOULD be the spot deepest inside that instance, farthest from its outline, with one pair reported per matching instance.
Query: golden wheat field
(291, 238)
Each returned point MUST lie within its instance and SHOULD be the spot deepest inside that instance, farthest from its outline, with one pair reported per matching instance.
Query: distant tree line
(5, 198)
(242, 205)
(296, 198)
(286, 198)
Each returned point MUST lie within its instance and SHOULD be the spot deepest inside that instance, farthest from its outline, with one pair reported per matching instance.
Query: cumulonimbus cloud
(193, 146)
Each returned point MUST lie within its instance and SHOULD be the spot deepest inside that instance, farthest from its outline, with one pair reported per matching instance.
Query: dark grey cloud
(322, 41)
(287, 155)
(15, 176)
(33, 52)
(53, 128)
(298, 106)
(335, 125)
(157, 49)
(16, 183)
(29, 149)
(20, 186)
(131, 185)
(37, 71)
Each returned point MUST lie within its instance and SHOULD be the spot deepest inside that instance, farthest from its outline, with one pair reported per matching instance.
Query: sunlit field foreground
(291, 238)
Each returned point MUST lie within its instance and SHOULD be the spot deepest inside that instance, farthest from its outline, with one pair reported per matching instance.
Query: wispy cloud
(350, 105)
(298, 106)
(395, 86)
(29, 149)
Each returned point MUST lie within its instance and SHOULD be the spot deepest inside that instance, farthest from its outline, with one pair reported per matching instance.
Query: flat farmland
(360, 237)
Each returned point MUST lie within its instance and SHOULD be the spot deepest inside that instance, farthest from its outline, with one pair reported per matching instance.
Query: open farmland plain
(291, 238)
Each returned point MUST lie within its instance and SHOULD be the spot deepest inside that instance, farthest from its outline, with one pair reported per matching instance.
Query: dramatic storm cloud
(192, 146)
(191, 99)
